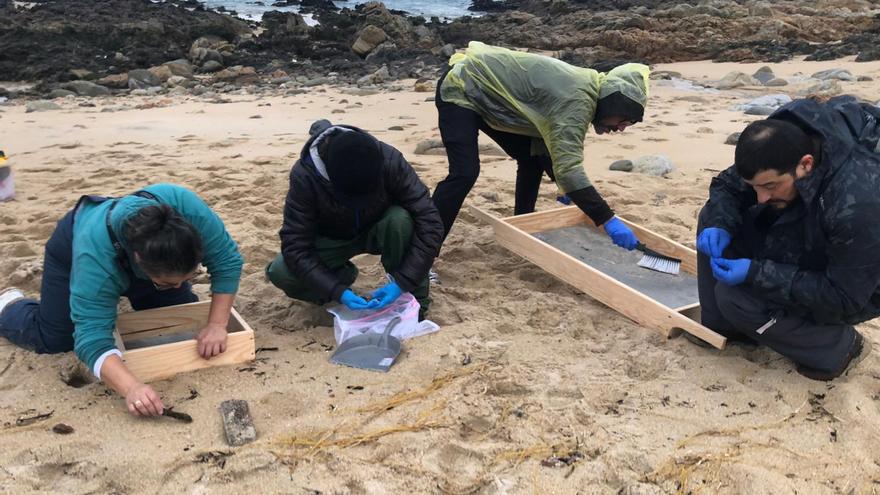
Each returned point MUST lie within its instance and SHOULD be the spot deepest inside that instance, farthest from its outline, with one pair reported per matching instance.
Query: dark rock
(62, 429)
(622, 166)
(368, 39)
(491, 5)
(82, 74)
(319, 4)
(732, 139)
(764, 75)
(60, 93)
(212, 66)
(116, 81)
(180, 67)
(86, 88)
(50, 39)
(142, 79)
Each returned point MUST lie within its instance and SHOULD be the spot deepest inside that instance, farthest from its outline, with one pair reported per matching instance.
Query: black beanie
(354, 166)
(618, 105)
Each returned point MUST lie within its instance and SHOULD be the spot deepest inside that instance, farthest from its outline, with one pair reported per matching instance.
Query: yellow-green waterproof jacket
(541, 97)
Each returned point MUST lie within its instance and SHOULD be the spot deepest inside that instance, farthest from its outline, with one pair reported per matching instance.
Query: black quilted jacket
(311, 210)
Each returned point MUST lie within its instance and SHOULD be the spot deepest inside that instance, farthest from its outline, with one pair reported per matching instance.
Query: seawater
(445, 9)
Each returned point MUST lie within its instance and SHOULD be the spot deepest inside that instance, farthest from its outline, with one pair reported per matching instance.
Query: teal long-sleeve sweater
(97, 281)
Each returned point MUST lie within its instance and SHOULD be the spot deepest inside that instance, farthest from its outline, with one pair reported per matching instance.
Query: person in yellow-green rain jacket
(538, 109)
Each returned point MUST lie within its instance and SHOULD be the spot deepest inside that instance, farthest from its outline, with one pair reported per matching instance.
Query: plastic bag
(7, 186)
(347, 323)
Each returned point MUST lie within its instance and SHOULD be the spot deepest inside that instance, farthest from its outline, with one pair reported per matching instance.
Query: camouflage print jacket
(821, 257)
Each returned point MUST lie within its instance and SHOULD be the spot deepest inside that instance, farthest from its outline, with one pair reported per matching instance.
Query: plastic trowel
(370, 351)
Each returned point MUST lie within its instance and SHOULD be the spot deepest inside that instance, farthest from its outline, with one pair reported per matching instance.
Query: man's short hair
(770, 144)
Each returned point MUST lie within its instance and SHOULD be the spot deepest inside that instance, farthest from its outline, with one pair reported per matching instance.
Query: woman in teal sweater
(145, 246)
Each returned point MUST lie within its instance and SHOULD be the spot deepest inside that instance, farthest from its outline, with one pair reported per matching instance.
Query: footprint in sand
(455, 465)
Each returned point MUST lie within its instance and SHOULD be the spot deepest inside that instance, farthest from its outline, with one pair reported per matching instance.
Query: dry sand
(550, 369)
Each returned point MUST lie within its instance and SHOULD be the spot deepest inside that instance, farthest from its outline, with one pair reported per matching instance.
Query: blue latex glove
(713, 241)
(387, 294)
(621, 234)
(730, 272)
(356, 302)
(563, 199)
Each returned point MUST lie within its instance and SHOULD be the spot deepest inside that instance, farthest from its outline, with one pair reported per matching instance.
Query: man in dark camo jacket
(789, 241)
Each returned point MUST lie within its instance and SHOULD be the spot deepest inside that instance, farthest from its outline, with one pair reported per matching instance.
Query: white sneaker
(9, 296)
(433, 277)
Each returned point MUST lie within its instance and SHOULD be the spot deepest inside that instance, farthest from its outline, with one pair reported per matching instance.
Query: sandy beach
(524, 367)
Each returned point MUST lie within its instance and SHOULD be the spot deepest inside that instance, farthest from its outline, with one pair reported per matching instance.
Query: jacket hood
(631, 80)
(818, 119)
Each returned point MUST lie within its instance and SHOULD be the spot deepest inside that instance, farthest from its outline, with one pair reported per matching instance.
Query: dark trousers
(45, 326)
(738, 312)
(390, 237)
(459, 128)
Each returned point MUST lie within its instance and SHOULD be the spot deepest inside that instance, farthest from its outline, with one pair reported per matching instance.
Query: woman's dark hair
(166, 244)
(770, 144)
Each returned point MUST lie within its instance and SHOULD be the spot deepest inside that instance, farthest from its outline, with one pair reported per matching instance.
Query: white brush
(652, 260)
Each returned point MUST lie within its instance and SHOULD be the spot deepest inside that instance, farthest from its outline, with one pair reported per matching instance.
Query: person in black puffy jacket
(788, 240)
(350, 194)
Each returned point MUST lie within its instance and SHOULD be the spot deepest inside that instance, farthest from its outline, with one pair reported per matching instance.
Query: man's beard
(779, 204)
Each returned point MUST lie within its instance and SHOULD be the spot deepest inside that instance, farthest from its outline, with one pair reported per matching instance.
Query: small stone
(162, 72)
(118, 81)
(865, 78)
(764, 105)
(258, 116)
(360, 91)
(368, 39)
(318, 81)
(62, 429)
(424, 87)
(86, 88)
(705, 130)
(82, 74)
(41, 106)
(395, 128)
(180, 67)
(838, 74)
(759, 110)
(622, 166)
(732, 139)
(237, 422)
(60, 93)
(665, 75)
(429, 144)
(490, 196)
(447, 50)
(824, 88)
(735, 79)
(212, 66)
(656, 165)
(775, 82)
(491, 149)
(764, 75)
